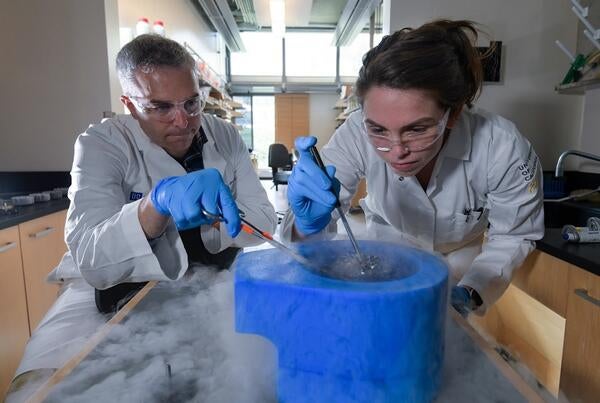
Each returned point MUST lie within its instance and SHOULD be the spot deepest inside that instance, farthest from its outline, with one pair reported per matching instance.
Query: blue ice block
(375, 338)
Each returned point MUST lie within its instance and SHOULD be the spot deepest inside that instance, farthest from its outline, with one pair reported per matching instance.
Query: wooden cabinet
(549, 319)
(291, 118)
(14, 324)
(42, 246)
(545, 277)
(28, 252)
(361, 193)
(530, 331)
(580, 375)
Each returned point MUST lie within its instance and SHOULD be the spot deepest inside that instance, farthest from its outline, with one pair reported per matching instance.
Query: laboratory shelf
(579, 87)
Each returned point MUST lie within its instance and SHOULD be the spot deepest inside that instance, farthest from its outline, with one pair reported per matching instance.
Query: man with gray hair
(141, 187)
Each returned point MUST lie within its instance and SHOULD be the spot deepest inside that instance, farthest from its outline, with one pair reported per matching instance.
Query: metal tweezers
(265, 236)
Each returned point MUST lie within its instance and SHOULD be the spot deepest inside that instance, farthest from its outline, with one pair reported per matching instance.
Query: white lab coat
(485, 165)
(115, 164)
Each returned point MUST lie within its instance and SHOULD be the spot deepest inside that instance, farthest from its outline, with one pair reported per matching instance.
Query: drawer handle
(584, 294)
(8, 246)
(42, 233)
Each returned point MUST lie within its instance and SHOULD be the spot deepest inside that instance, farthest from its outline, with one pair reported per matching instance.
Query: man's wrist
(153, 223)
(153, 197)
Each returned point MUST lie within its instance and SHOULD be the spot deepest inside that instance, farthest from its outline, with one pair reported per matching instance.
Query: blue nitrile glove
(184, 197)
(462, 301)
(312, 195)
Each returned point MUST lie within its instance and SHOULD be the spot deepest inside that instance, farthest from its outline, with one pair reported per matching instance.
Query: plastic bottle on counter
(22, 200)
(571, 233)
(593, 223)
(142, 26)
(159, 27)
(41, 197)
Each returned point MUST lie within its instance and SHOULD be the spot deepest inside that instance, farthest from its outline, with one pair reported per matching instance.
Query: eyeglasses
(417, 138)
(165, 111)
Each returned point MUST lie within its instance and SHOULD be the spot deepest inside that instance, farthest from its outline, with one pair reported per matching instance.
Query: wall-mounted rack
(590, 32)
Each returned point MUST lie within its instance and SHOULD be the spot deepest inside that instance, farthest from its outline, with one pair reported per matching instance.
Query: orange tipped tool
(265, 236)
(246, 228)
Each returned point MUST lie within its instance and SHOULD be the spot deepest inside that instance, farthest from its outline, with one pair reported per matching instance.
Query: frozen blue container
(374, 338)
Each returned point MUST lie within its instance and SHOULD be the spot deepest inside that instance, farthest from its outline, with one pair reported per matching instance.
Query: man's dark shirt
(192, 241)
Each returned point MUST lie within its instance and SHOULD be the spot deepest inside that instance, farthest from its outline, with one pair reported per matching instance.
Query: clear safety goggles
(417, 138)
(166, 111)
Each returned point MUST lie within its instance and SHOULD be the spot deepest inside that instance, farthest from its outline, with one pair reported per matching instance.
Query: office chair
(280, 158)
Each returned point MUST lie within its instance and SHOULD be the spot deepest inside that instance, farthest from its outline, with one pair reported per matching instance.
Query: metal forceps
(265, 236)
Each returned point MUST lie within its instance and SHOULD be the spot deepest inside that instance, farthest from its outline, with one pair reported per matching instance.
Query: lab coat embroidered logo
(528, 171)
(135, 196)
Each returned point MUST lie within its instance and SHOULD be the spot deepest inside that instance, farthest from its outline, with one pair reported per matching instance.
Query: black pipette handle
(315, 154)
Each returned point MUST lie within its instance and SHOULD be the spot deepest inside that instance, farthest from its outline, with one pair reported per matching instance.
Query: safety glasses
(417, 138)
(166, 111)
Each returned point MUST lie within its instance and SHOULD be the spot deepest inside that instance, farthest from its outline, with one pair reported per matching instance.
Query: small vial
(159, 27)
(142, 26)
(593, 223)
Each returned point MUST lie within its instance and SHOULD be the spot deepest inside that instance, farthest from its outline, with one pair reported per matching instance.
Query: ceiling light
(220, 16)
(354, 18)
(278, 17)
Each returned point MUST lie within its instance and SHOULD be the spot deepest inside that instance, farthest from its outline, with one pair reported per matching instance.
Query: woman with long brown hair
(439, 171)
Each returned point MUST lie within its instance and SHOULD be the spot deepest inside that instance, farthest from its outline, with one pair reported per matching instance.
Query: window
(309, 54)
(244, 122)
(263, 128)
(351, 56)
(309, 57)
(257, 126)
(263, 56)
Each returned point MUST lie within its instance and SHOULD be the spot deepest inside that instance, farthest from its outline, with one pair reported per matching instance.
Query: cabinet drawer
(545, 278)
(580, 377)
(42, 245)
(530, 331)
(14, 326)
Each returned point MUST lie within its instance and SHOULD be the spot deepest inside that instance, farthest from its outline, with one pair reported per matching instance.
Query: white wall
(533, 65)
(183, 23)
(322, 116)
(590, 133)
(113, 45)
(55, 80)
(58, 70)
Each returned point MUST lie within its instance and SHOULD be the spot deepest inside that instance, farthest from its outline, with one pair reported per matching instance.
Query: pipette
(364, 264)
(249, 228)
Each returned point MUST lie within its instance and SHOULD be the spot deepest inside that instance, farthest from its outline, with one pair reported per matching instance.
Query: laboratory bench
(549, 317)
(31, 212)
(31, 245)
(586, 256)
(472, 370)
(29, 249)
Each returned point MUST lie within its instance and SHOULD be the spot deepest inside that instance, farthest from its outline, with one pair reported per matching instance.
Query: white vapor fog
(179, 345)
(184, 328)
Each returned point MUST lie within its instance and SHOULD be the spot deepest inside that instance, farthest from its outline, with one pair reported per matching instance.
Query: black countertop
(27, 213)
(584, 255)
